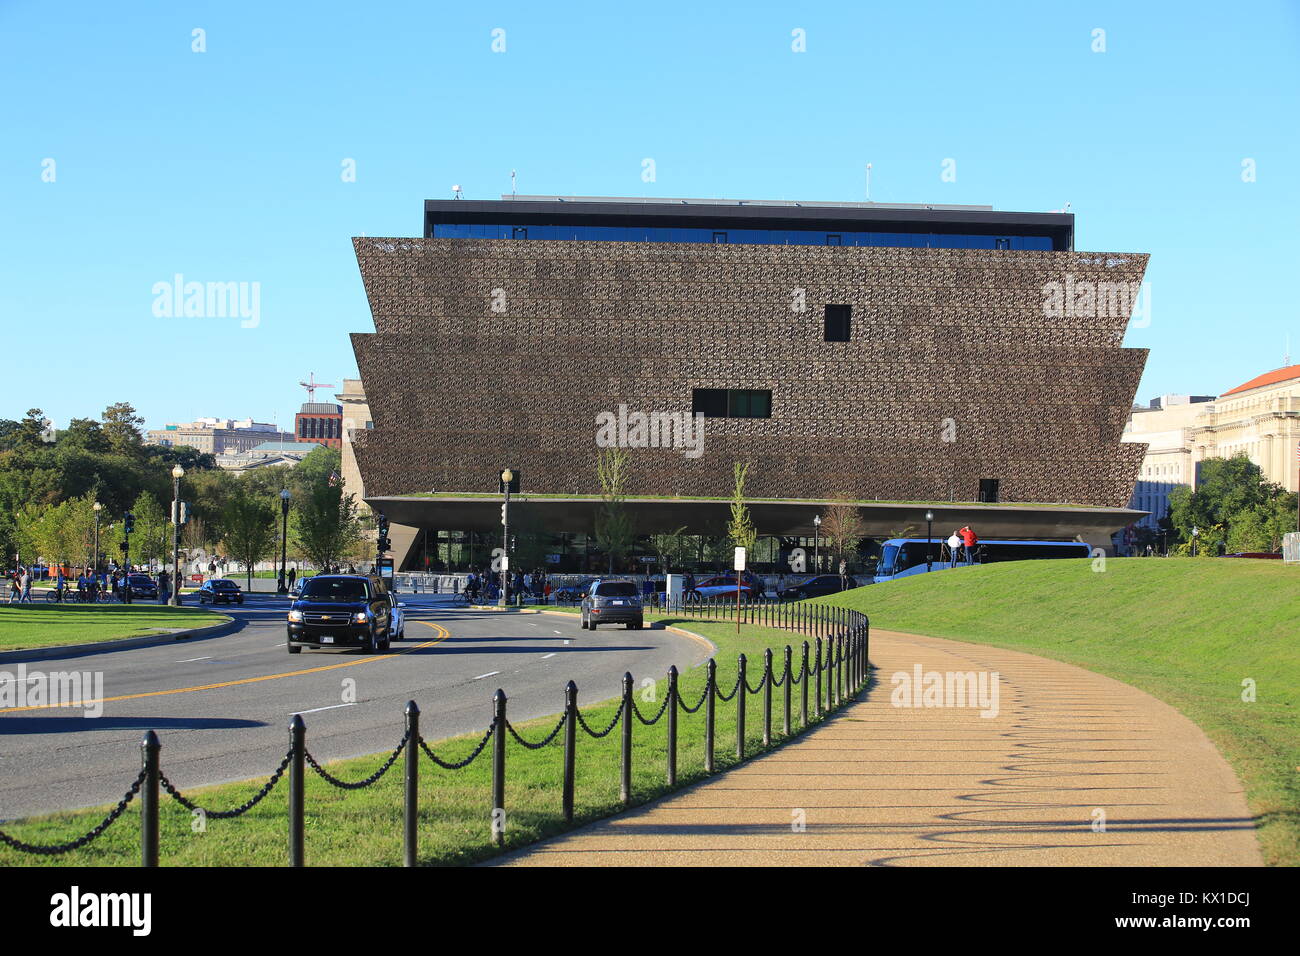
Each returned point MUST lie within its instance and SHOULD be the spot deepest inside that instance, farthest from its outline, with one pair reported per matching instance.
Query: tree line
(50, 481)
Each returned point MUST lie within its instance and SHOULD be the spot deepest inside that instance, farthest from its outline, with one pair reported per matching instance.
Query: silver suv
(612, 601)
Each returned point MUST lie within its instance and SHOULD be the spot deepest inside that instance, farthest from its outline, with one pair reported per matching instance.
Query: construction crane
(311, 385)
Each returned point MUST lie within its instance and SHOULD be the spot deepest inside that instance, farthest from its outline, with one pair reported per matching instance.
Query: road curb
(147, 640)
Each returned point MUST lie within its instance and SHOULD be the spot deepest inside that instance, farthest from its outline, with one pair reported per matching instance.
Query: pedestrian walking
(25, 581)
(15, 591)
(954, 543)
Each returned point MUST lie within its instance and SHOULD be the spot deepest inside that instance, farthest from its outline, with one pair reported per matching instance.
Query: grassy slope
(48, 625)
(365, 827)
(1186, 631)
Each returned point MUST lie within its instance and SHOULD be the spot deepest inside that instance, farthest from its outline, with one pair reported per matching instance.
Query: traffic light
(381, 521)
(130, 523)
(122, 547)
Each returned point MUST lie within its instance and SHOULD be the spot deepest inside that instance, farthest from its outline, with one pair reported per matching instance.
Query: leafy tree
(614, 526)
(741, 530)
(843, 530)
(85, 433)
(248, 529)
(152, 539)
(324, 524)
(1233, 498)
(122, 429)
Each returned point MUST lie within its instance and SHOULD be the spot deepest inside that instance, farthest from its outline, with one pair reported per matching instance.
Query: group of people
(521, 585)
(961, 545)
(20, 586)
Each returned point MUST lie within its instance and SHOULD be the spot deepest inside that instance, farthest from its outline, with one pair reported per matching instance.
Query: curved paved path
(893, 786)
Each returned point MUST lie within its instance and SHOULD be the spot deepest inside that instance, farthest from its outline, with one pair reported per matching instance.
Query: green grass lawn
(49, 625)
(1186, 631)
(365, 827)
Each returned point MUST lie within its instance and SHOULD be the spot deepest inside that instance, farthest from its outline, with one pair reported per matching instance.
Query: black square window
(709, 402)
(839, 320)
(720, 237)
(989, 490)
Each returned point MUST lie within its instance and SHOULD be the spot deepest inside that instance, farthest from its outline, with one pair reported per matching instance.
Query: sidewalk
(885, 785)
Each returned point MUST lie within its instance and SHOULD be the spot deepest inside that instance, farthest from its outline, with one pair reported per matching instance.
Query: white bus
(902, 557)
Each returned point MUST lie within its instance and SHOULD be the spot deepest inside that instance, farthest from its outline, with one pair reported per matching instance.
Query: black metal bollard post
(149, 748)
(740, 708)
(625, 776)
(297, 788)
(711, 680)
(570, 746)
(412, 808)
(803, 686)
(767, 697)
(499, 767)
(672, 725)
(818, 668)
(785, 713)
(839, 668)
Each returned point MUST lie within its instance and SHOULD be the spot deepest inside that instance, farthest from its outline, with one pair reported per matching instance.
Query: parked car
(612, 601)
(724, 585)
(220, 591)
(142, 586)
(342, 610)
(819, 586)
(572, 593)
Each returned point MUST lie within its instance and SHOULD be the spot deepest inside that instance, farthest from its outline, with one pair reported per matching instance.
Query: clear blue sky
(225, 165)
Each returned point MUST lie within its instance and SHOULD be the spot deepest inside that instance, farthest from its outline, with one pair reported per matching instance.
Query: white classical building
(1260, 418)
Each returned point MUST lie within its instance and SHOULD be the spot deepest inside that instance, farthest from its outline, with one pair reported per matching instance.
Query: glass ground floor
(445, 551)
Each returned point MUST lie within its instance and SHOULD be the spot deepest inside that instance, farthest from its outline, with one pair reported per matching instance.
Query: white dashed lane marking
(488, 674)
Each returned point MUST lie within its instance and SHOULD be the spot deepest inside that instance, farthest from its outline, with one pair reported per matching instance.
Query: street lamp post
(98, 509)
(817, 544)
(929, 526)
(284, 542)
(177, 473)
(507, 476)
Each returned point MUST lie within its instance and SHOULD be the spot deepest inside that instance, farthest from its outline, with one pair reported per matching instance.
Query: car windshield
(225, 585)
(335, 589)
(887, 556)
(616, 589)
(140, 579)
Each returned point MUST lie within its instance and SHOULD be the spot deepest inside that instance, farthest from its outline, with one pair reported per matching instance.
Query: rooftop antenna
(512, 184)
(1286, 359)
(868, 182)
(456, 193)
(311, 385)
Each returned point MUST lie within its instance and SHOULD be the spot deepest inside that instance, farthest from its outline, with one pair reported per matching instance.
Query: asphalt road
(222, 705)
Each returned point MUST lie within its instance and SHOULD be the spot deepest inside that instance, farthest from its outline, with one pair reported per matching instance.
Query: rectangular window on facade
(732, 402)
(1001, 243)
(749, 403)
(519, 232)
(989, 490)
(833, 240)
(709, 402)
(838, 323)
(720, 237)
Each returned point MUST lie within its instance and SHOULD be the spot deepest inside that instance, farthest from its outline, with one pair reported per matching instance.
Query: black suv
(341, 610)
(612, 602)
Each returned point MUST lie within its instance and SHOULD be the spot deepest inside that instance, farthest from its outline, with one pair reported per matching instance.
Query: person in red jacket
(969, 540)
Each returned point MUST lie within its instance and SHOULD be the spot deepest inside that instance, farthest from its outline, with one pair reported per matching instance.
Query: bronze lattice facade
(490, 352)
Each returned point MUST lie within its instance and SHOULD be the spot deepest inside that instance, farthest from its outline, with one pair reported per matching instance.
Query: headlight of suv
(361, 617)
(295, 617)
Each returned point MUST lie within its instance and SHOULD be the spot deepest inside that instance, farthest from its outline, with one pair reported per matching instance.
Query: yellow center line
(442, 631)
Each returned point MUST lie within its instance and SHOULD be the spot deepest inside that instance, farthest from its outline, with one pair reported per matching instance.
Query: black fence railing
(832, 664)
